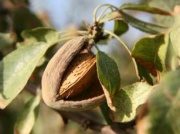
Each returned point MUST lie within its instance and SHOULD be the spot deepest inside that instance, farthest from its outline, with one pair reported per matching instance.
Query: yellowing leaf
(147, 52)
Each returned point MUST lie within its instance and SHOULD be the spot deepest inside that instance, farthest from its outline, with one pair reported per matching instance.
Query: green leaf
(143, 73)
(105, 112)
(143, 26)
(109, 76)
(144, 8)
(150, 53)
(163, 110)
(6, 39)
(111, 16)
(17, 67)
(108, 72)
(167, 5)
(120, 27)
(164, 4)
(27, 117)
(174, 36)
(41, 34)
(128, 100)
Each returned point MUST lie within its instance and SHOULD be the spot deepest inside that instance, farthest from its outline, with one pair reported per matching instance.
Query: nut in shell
(79, 75)
(70, 79)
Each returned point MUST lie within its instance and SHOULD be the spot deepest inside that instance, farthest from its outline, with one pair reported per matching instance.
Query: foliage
(154, 99)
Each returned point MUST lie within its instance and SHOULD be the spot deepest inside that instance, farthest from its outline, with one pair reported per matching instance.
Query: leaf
(6, 39)
(110, 16)
(150, 53)
(167, 5)
(27, 117)
(143, 26)
(144, 8)
(108, 74)
(105, 112)
(17, 67)
(174, 36)
(143, 73)
(120, 27)
(164, 4)
(41, 34)
(163, 109)
(128, 100)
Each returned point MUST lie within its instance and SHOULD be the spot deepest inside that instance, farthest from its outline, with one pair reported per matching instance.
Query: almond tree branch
(88, 123)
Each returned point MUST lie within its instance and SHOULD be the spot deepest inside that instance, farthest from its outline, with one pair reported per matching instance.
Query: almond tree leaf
(108, 74)
(17, 67)
(120, 27)
(164, 4)
(141, 25)
(128, 100)
(174, 36)
(41, 34)
(144, 8)
(143, 73)
(28, 116)
(167, 5)
(163, 107)
(150, 53)
(105, 110)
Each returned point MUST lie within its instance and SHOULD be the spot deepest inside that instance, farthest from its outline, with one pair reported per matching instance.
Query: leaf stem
(115, 36)
(62, 39)
(102, 13)
(96, 47)
(125, 46)
(98, 7)
(73, 31)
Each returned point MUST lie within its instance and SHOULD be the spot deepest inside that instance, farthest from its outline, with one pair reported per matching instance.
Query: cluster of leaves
(153, 56)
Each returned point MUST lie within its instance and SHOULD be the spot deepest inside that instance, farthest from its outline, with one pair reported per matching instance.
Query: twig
(88, 123)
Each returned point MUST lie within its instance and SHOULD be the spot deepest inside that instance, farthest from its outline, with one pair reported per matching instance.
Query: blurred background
(62, 15)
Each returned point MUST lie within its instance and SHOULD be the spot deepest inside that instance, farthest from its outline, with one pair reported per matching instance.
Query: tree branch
(88, 123)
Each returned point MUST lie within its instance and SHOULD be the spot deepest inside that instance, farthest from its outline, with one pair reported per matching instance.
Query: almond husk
(70, 79)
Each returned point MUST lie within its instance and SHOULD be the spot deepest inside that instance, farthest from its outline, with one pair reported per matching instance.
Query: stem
(61, 39)
(89, 123)
(115, 36)
(102, 13)
(73, 31)
(96, 47)
(68, 32)
(98, 7)
(125, 46)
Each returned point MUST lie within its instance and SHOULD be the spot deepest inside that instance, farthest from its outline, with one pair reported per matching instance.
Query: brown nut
(70, 80)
